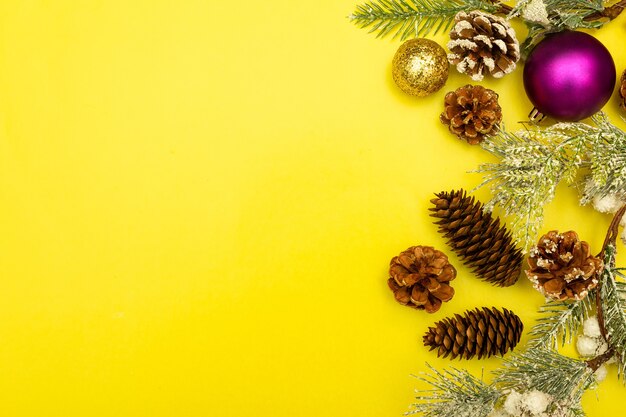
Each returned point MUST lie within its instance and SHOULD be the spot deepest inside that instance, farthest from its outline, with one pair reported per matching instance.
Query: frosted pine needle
(534, 161)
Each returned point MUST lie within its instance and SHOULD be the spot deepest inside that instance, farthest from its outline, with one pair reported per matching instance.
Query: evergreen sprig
(546, 370)
(614, 310)
(412, 18)
(455, 392)
(534, 161)
(560, 321)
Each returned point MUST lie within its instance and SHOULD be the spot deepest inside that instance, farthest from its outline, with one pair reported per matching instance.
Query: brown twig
(600, 313)
(610, 239)
(597, 362)
(609, 13)
(502, 8)
(612, 233)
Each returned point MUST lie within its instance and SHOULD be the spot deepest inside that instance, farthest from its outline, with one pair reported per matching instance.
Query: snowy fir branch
(614, 310)
(455, 393)
(560, 321)
(539, 380)
(545, 370)
(532, 163)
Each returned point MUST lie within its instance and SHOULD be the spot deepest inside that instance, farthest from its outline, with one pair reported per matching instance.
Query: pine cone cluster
(562, 267)
(622, 91)
(472, 112)
(477, 238)
(420, 277)
(481, 333)
(481, 43)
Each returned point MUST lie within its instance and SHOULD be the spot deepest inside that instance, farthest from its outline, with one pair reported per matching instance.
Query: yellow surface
(198, 203)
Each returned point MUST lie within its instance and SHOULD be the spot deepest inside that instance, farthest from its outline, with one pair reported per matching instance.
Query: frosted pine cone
(472, 112)
(481, 43)
(562, 267)
(420, 278)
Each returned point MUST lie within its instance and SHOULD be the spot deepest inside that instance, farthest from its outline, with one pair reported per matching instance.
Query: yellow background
(198, 203)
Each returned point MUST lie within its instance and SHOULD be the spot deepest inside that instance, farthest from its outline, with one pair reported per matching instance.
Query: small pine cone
(472, 112)
(478, 238)
(622, 91)
(562, 267)
(420, 278)
(482, 43)
(481, 333)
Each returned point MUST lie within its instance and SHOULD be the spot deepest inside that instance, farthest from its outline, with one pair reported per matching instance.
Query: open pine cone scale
(481, 43)
(562, 266)
(472, 113)
(420, 277)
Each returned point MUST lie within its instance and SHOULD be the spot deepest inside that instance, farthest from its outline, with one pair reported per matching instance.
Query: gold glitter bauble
(420, 67)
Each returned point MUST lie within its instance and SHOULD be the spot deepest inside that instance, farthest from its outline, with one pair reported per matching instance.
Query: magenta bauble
(569, 76)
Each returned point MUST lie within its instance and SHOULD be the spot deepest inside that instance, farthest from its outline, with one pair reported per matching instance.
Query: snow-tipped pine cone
(481, 43)
(562, 266)
(472, 112)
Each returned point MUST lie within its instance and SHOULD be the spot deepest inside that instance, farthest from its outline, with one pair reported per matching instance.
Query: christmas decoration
(472, 112)
(569, 76)
(591, 343)
(622, 90)
(540, 374)
(477, 238)
(481, 43)
(482, 332)
(414, 18)
(531, 403)
(533, 161)
(420, 278)
(562, 267)
(420, 67)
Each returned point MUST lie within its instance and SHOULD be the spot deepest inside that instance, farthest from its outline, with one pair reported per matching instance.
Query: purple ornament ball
(569, 76)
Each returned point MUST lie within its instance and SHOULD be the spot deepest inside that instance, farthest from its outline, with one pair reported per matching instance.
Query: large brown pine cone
(622, 91)
(478, 238)
(562, 267)
(420, 277)
(481, 43)
(472, 112)
(481, 333)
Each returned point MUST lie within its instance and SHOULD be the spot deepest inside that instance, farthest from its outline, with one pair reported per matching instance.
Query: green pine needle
(614, 310)
(455, 393)
(412, 18)
(533, 162)
(546, 370)
(560, 321)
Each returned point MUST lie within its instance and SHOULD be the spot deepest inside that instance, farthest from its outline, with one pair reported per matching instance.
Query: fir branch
(614, 311)
(607, 161)
(532, 164)
(564, 378)
(534, 161)
(455, 393)
(559, 318)
(413, 18)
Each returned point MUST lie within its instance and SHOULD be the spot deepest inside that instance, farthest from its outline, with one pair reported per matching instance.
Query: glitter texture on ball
(420, 67)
